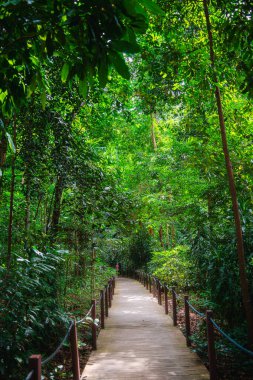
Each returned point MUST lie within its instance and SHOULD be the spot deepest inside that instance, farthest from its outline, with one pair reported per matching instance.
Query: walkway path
(140, 342)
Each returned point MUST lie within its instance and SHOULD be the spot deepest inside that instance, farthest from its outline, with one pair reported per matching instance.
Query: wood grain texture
(140, 342)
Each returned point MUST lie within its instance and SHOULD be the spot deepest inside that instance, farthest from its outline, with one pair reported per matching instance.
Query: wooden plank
(140, 342)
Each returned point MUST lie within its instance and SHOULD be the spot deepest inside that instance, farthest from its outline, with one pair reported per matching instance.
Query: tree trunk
(57, 207)
(239, 237)
(153, 138)
(3, 152)
(28, 209)
(161, 236)
(10, 226)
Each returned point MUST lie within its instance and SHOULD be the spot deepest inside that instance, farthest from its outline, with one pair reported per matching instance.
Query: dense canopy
(125, 138)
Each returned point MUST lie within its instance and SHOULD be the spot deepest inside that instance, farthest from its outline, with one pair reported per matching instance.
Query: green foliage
(33, 32)
(173, 267)
(140, 247)
(31, 314)
(90, 176)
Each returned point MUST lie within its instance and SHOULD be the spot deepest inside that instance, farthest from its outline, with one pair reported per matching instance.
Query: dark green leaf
(126, 47)
(120, 65)
(65, 72)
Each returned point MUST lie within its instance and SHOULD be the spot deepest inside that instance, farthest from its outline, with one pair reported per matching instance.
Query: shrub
(172, 266)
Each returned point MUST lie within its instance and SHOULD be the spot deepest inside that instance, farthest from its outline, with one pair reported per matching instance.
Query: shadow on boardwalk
(140, 342)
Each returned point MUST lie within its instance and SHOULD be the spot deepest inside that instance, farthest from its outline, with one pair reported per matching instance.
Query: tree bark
(10, 225)
(153, 138)
(28, 209)
(57, 207)
(161, 236)
(239, 237)
(3, 152)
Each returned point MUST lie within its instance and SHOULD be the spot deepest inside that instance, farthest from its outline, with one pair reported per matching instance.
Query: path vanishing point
(140, 342)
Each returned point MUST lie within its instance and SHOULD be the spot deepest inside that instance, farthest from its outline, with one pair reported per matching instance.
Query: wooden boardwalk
(140, 342)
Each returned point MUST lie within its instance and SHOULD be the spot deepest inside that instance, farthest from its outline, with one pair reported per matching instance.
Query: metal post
(35, 366)
(94, 327)
(106, 301)
(174, 306)
(166, 306)
(211, 345)
(187, 321)
(102, 309)
(74, 352)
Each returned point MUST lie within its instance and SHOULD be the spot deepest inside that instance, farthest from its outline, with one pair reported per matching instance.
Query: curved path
(140, 341)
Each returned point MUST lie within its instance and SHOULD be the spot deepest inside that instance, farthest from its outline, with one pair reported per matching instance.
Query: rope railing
(201, 315)
(51, 357)
(105, 302)
(231, 340)
(156, 287)
(29, 376)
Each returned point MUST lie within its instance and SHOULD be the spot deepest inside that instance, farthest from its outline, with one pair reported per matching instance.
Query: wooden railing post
(174, 306)
(154, 287)
(74, 352)
(159, 297)
(166, 306)
(110, 294)
(102, 309)
(211, 345)
(187, 321)
(106, 301)
(94, 327)
(35, 366)
(111, 286)
(114, 284)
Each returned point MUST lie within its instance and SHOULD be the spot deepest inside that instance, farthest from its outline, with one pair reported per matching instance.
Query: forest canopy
(125, 137)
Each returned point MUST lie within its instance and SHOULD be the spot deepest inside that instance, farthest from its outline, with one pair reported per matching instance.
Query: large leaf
(11, 143)
(152, 7)
(103, 73)
(65, 72)
(126, 47)
(120, 65)
(83, 87)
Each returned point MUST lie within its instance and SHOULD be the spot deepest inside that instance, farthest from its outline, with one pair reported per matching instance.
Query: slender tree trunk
(28, 210)
(10, 225)
(168, 236)
(3, 152)
(153, 138)
(161, 236)
(48, 211)
(173, 236)
(57, 207)
(240, 247)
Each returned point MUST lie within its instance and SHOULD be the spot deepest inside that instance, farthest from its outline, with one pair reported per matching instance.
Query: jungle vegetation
(126, 133)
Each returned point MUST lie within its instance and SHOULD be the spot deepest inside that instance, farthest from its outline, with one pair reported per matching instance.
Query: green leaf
(43, 98)
(120, 65)
(152, 7)
(11, 143)
(65, 72)
(103, 73)
(126, 47)
(83, 87)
